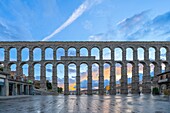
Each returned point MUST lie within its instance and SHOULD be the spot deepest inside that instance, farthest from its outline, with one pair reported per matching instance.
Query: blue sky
(83, 20)
(22, 20)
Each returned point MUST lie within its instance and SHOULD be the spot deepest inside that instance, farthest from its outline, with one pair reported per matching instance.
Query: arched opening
(106, 68)
(83, 77)
(13, 54)
(95, 52)
(118, 54)
(140, 53)
(152, 54)
(37, 54)
(152, 70)
(83, 52)
(129, 54)
(25, 70)
(118, 77)
(72, 77)
(37, 72)
(60, 52)
(163, 67)
(13, 68)
(48, 54)
(25, 54)
(60, 75)
(72, 52)
(95, 77)
(106, 54)
(129, 73)
(2, 54)
(163, 53)
(49, 70)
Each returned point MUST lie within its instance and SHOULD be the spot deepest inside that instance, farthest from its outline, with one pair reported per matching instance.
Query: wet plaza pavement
(87, 104)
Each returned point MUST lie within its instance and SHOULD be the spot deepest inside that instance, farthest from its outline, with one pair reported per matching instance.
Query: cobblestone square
(87, 104)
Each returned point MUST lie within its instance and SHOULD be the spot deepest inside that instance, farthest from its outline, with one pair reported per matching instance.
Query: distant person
(139, 92)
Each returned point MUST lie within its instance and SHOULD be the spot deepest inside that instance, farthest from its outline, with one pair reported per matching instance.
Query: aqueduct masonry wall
(89, 60)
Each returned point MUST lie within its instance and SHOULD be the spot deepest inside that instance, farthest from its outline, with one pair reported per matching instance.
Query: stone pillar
(89, 88)
(101, 80)
(78, 80)
(54, 80)
(146, 85)
(43, 77)
(66, 52)
(135, 79)
(112, 55)
(54, 54)
(66, 84)
(6, 54)
(101, 54)
(43, 55)
(31, 72)
(157, 54)
(112, 80)
(78, 52)
(18, 55)
(168, 54)
(6, 87)
(146, 54)
(30, 55)
(89, 52)
(124, 85)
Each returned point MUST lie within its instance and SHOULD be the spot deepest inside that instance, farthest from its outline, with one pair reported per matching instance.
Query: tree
(49, 85)
(60, 89)
(155, 91)
(1, 68)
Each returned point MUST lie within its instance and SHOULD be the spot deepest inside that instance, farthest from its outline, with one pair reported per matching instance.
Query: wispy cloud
(77, 13)
(139, 27)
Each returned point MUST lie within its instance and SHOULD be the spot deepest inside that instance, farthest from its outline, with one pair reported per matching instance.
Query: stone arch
(25, 69)
(60, 74)
(129, 54)
(129, 72)
(49, 71)
(60, 52)
(49, 53)
(83, 51)
(118, 74)
(13, 54)
(163, 52)
(95, 51)
(71, 51)
(95, 76)
(37, 71)
(107, 69)
(24, 54)
(106, 53)
(2, 54)
(118, 54)
(152, 51)
(72, 69)
(140, 53)
(83, 76)
(37, 54)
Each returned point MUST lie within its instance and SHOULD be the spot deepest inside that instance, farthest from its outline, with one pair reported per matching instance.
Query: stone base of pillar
(135, 88)
(31, 78)
(43, 83)
(124, 89)
(66, 89)
(54, 87)
(146, 89)
(112, 92)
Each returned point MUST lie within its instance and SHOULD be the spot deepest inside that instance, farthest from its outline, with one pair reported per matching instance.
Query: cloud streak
(77, 13)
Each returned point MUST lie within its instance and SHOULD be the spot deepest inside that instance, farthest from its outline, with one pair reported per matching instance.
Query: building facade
(90, 59)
